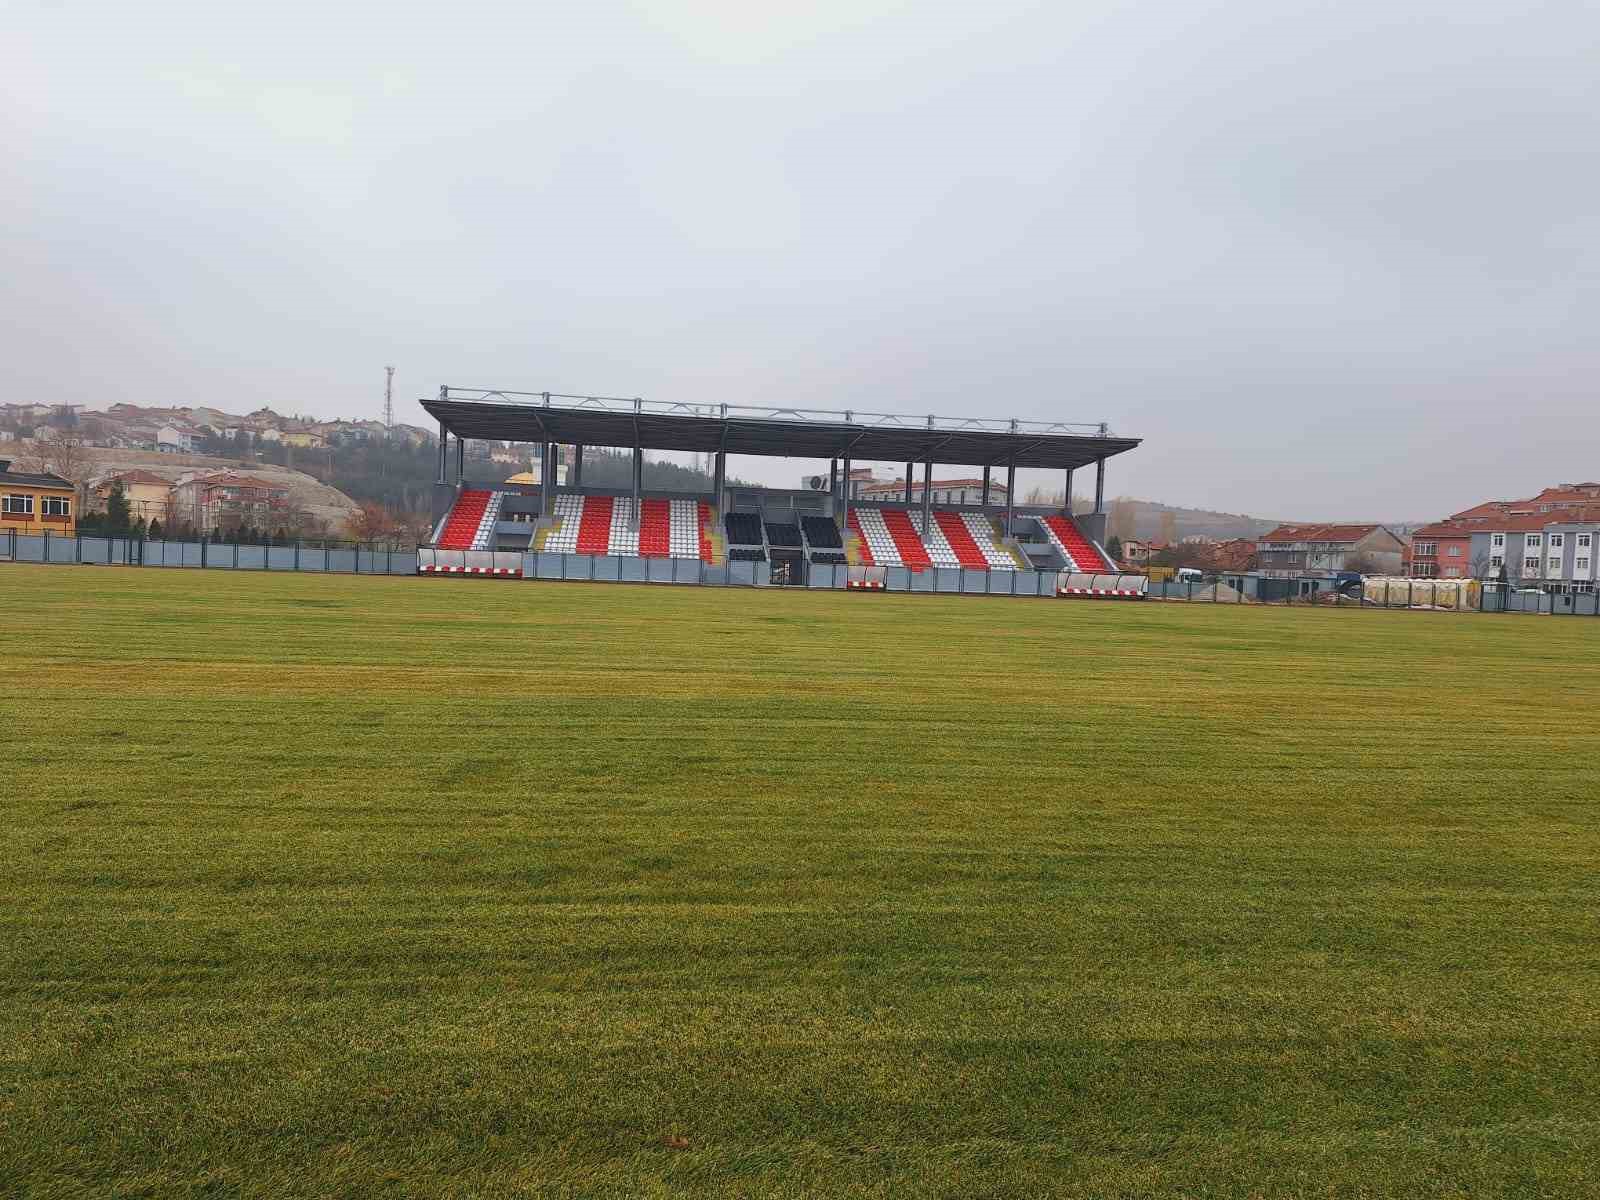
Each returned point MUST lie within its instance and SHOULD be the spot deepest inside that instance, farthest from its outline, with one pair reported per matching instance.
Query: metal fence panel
(715, 575)
(742, 573)
(632, 569)
(252, 558)
(685, 570)
(94, 550)
(896, 579)
(341, 560)
(658, 570)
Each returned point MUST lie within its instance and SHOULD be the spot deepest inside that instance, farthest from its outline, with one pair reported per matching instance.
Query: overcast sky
(1331, 259)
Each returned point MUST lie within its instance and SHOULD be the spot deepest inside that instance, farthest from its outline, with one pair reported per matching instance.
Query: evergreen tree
(1114, 547)
(117, 510)
(155, 529)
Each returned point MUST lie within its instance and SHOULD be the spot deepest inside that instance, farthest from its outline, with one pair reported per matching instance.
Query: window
(55, 506)
(1557, 540)
(1427, 549)
(1498, 541)
(20, 506)
(1455, 551)
(1530, 565)
(1581, 566)
(1553, 571)
(1534, 540)
(1584, 540)
(1497, 560)
(1454, 571)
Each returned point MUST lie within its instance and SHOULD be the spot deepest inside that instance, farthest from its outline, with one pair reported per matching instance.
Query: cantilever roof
(770, 432)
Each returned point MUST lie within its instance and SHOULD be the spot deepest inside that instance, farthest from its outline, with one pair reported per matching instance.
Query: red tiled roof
(1439, 529)
(1318, 533)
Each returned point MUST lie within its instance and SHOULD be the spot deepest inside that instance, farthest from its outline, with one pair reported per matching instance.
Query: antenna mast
(388, 398)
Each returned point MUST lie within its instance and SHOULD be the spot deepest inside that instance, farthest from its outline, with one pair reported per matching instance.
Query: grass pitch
(329, 886)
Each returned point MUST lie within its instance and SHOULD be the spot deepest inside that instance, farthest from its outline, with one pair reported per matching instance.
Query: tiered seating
(962, 544)
(888, 539)
(624, 527)
(828, 556)
(981, 529)
(877, 547)
(604, 525)
(823, 534)
(744, 529)
(569, 515)
(484, 539)
(912, 552)
(594, 529)
(738, 554)
(466, 517)
(1078, 550)
(783, 535)
(940, 552)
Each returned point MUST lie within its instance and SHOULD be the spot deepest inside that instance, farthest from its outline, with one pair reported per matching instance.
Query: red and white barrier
(863, 585)
(1113, 593)
(503, 572)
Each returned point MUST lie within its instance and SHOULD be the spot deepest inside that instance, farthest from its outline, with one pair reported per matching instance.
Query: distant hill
(1193, 522)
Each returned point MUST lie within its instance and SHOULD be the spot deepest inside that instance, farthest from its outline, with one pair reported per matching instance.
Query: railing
(829, 416)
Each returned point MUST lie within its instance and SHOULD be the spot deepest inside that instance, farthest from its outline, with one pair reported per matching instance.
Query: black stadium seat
(783, 535)
(828, 556)
(744, 529)
(823, 534)
(737, 555)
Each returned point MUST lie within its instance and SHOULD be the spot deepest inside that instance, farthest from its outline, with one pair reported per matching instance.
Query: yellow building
(146, 493)
(36, 503)
(305, 441)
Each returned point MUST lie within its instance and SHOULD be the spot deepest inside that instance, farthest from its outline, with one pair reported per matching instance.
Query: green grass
(330, 886)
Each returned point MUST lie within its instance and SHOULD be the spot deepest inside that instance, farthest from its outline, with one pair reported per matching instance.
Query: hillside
(317, 500)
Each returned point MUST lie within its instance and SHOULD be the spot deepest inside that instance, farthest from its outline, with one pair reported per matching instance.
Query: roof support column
(1011, 494)
(985, 504)
(461, 459)
(910, 474)
(844, 521)
(927, 495)
(638, 483)
(1066, 505)
(833, 485)
(444, 451)
(547, 479)
(719, 479)
(576, 478)
(1099, 486)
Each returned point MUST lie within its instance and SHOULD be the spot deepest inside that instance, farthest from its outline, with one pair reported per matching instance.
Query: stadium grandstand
(916, 535)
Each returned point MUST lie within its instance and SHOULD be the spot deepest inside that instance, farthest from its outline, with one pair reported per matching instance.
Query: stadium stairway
(713, 547)
(990, 542)
(1078, 550)
(461, 527)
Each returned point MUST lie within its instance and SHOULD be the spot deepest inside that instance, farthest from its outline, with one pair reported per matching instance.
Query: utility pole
(388, 398)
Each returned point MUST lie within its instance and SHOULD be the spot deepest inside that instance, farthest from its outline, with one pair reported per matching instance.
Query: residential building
(1556, 551)
(302, 439)
(36, 503)
(1442, 550)
(148, 494)
(1137, 552)
(966, 492)
(1291, 551)
(177, 439)
(225, 500)
(1235, 554)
